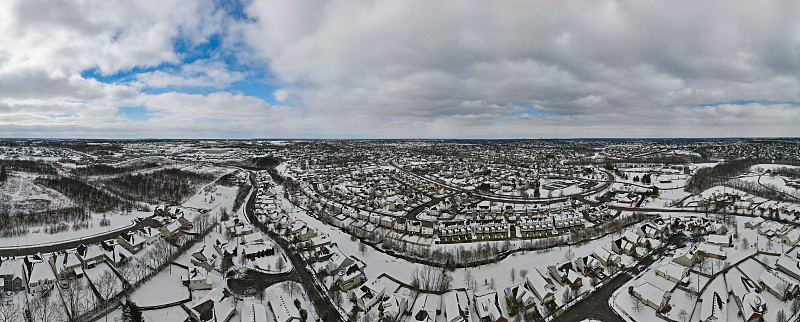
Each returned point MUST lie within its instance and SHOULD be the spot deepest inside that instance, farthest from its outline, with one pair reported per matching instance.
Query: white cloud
(392, 69)
(200, 73)
(280, 95)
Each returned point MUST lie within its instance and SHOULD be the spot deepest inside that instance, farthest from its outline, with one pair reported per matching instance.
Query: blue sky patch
(744, 102)
(136, 113)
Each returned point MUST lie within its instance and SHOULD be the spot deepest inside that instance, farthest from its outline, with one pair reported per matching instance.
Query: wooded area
(719, 174)
(104, 169)
(168, 185)
(84, 194)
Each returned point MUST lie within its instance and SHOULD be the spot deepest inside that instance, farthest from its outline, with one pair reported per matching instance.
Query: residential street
(318, 297)
(11, 250)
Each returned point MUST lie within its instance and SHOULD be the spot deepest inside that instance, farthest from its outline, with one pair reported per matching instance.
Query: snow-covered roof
(673, 270)
(451, 311)
(789, 264)
(253, 312)
(488, 306)
(753, 304)
(282, 310)
(650, 292)
(41, 271)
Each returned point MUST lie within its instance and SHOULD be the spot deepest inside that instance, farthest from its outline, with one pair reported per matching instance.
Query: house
(39, 274)
(251, 238)
(369, 294)
(197, 278)
(686, 257)
(487, 306)
(258, 250)
(224, 248)
(400, 224)
(588, 265)
(542, 287)
(351, 275)
(456, 306)
(132, 241)
(392, 306)
(90, 255)
(426, 229)
(789, 265)
(753, 307)
(253, 312)
(11, 273)
(602, 255)
(524, 296)
(149, 234)
(779, 284)
(720, 240)
(623, 246)
(651, 295)
(185, 223)
(713, 306)
(712, 251)
(217, 305)
(283, 310)
(791, 237)
(66, 265)
(673, 272)
(171, 230)
(116, 254)
(205, 258)
(426, 308)
(754, 223)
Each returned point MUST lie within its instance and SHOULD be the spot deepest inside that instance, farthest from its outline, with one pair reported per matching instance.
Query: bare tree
(42, 309)
(281, 264)
(469, 280)
(569, 254)
(513, 275)
(637, 305)
(362, 248)
(10, 312)
(523, 273)
(106, 285)
(683, 315)
(77, 298)
(781, 316)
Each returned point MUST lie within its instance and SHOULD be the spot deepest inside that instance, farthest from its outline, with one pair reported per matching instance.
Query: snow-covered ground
(37, 236)
(95, 275)
(165, 287)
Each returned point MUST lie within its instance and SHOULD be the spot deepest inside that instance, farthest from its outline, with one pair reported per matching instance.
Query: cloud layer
(403, 69)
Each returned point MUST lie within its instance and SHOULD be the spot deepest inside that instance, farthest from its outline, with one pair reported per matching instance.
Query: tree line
(29, 166)
(104, 169)
(719, 174)
(167, 185)
(84, 194)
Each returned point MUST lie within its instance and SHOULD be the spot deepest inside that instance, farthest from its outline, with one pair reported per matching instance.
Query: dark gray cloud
(408, 68)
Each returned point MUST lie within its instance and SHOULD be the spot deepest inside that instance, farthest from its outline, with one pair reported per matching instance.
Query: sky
(399, 69)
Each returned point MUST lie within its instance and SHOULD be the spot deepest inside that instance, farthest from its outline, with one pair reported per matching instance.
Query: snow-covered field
(96, 276)
(37, 236)
(164, 287)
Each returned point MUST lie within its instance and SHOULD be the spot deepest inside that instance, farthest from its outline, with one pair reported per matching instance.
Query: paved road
(249, 282)
(325, 309)
(595, 306)
(11, 250)
(412, 214)
(510, 199)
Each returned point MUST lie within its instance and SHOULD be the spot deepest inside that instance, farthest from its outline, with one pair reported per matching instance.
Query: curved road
(68, 244)
(249, 282)
(318, 297)
(510, 199)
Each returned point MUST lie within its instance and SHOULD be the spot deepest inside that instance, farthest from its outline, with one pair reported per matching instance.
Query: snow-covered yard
(164, 287)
